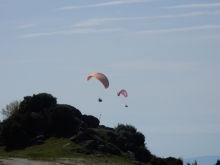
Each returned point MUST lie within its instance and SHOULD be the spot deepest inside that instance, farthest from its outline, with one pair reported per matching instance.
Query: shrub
(38, 103)
(174, 161)
(140, 139)
(16, 131)
(112, 149)
(27, 115)
(61, 120)
(158, 161)
(218, 162)
(127, 128)
(142, 154)
(131, 134)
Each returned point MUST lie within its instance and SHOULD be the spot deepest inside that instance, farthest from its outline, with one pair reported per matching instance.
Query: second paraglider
(124, 93)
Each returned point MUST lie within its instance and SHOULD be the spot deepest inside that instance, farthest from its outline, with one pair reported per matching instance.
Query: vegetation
(41, 129)
(56, 148)
(218, 162)
(10, 109)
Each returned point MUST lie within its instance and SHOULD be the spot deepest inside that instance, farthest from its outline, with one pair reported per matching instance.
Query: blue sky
(164, 53)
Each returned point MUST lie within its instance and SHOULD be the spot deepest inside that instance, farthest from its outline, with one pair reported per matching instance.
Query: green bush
(61, 120)
(131, 133)
(174, 161)
(38, 103)
(20, 126)
(112, 149)
(166, 161)
(218, 162)
(16, 131)
(142, 154)
(140, 139)
(127, 128)
(158, 161)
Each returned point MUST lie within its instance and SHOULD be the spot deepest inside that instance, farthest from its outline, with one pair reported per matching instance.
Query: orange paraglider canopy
(101, 77)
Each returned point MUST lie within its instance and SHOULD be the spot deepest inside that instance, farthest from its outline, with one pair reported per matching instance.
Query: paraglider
(124, 93)
(102, 78)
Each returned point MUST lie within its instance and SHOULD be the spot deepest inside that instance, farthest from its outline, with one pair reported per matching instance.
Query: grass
(56, 149)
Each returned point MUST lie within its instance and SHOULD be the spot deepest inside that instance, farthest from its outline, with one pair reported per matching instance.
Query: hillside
(42, 129)
(60, 150)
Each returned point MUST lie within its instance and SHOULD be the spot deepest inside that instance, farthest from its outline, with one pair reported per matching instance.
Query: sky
(164, 53)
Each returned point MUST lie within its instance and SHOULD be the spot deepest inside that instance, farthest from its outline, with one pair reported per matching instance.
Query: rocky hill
(39, 117)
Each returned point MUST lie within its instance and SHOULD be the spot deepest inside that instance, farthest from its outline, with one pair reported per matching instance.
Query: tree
(218, 162)
(195, 163)
(25, 120)
(10, 108)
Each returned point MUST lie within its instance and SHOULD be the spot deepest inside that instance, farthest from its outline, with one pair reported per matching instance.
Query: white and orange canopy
(101, 77)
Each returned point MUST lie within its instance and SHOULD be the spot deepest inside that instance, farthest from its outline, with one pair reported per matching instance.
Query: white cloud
(208, 5)
(155, 65)
(193, 14)
(119, 2)
(205, 27)
(71, 32)
(94, 22)
(26, 26)
(100, 21)
(35, 60)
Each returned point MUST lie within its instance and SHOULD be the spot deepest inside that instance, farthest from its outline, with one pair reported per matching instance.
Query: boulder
(81, 127)
(77, 113)
(73, 138)
(67, 144)
(90, 144)
(90, 121)
(63, 120)
(102, 148)
(107, 128)
(81, 135)
(36, 140)
(99, 140)
(132, 155)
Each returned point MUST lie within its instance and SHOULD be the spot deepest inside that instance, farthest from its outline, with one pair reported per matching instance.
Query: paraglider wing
(123, 92)
(101, 77)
